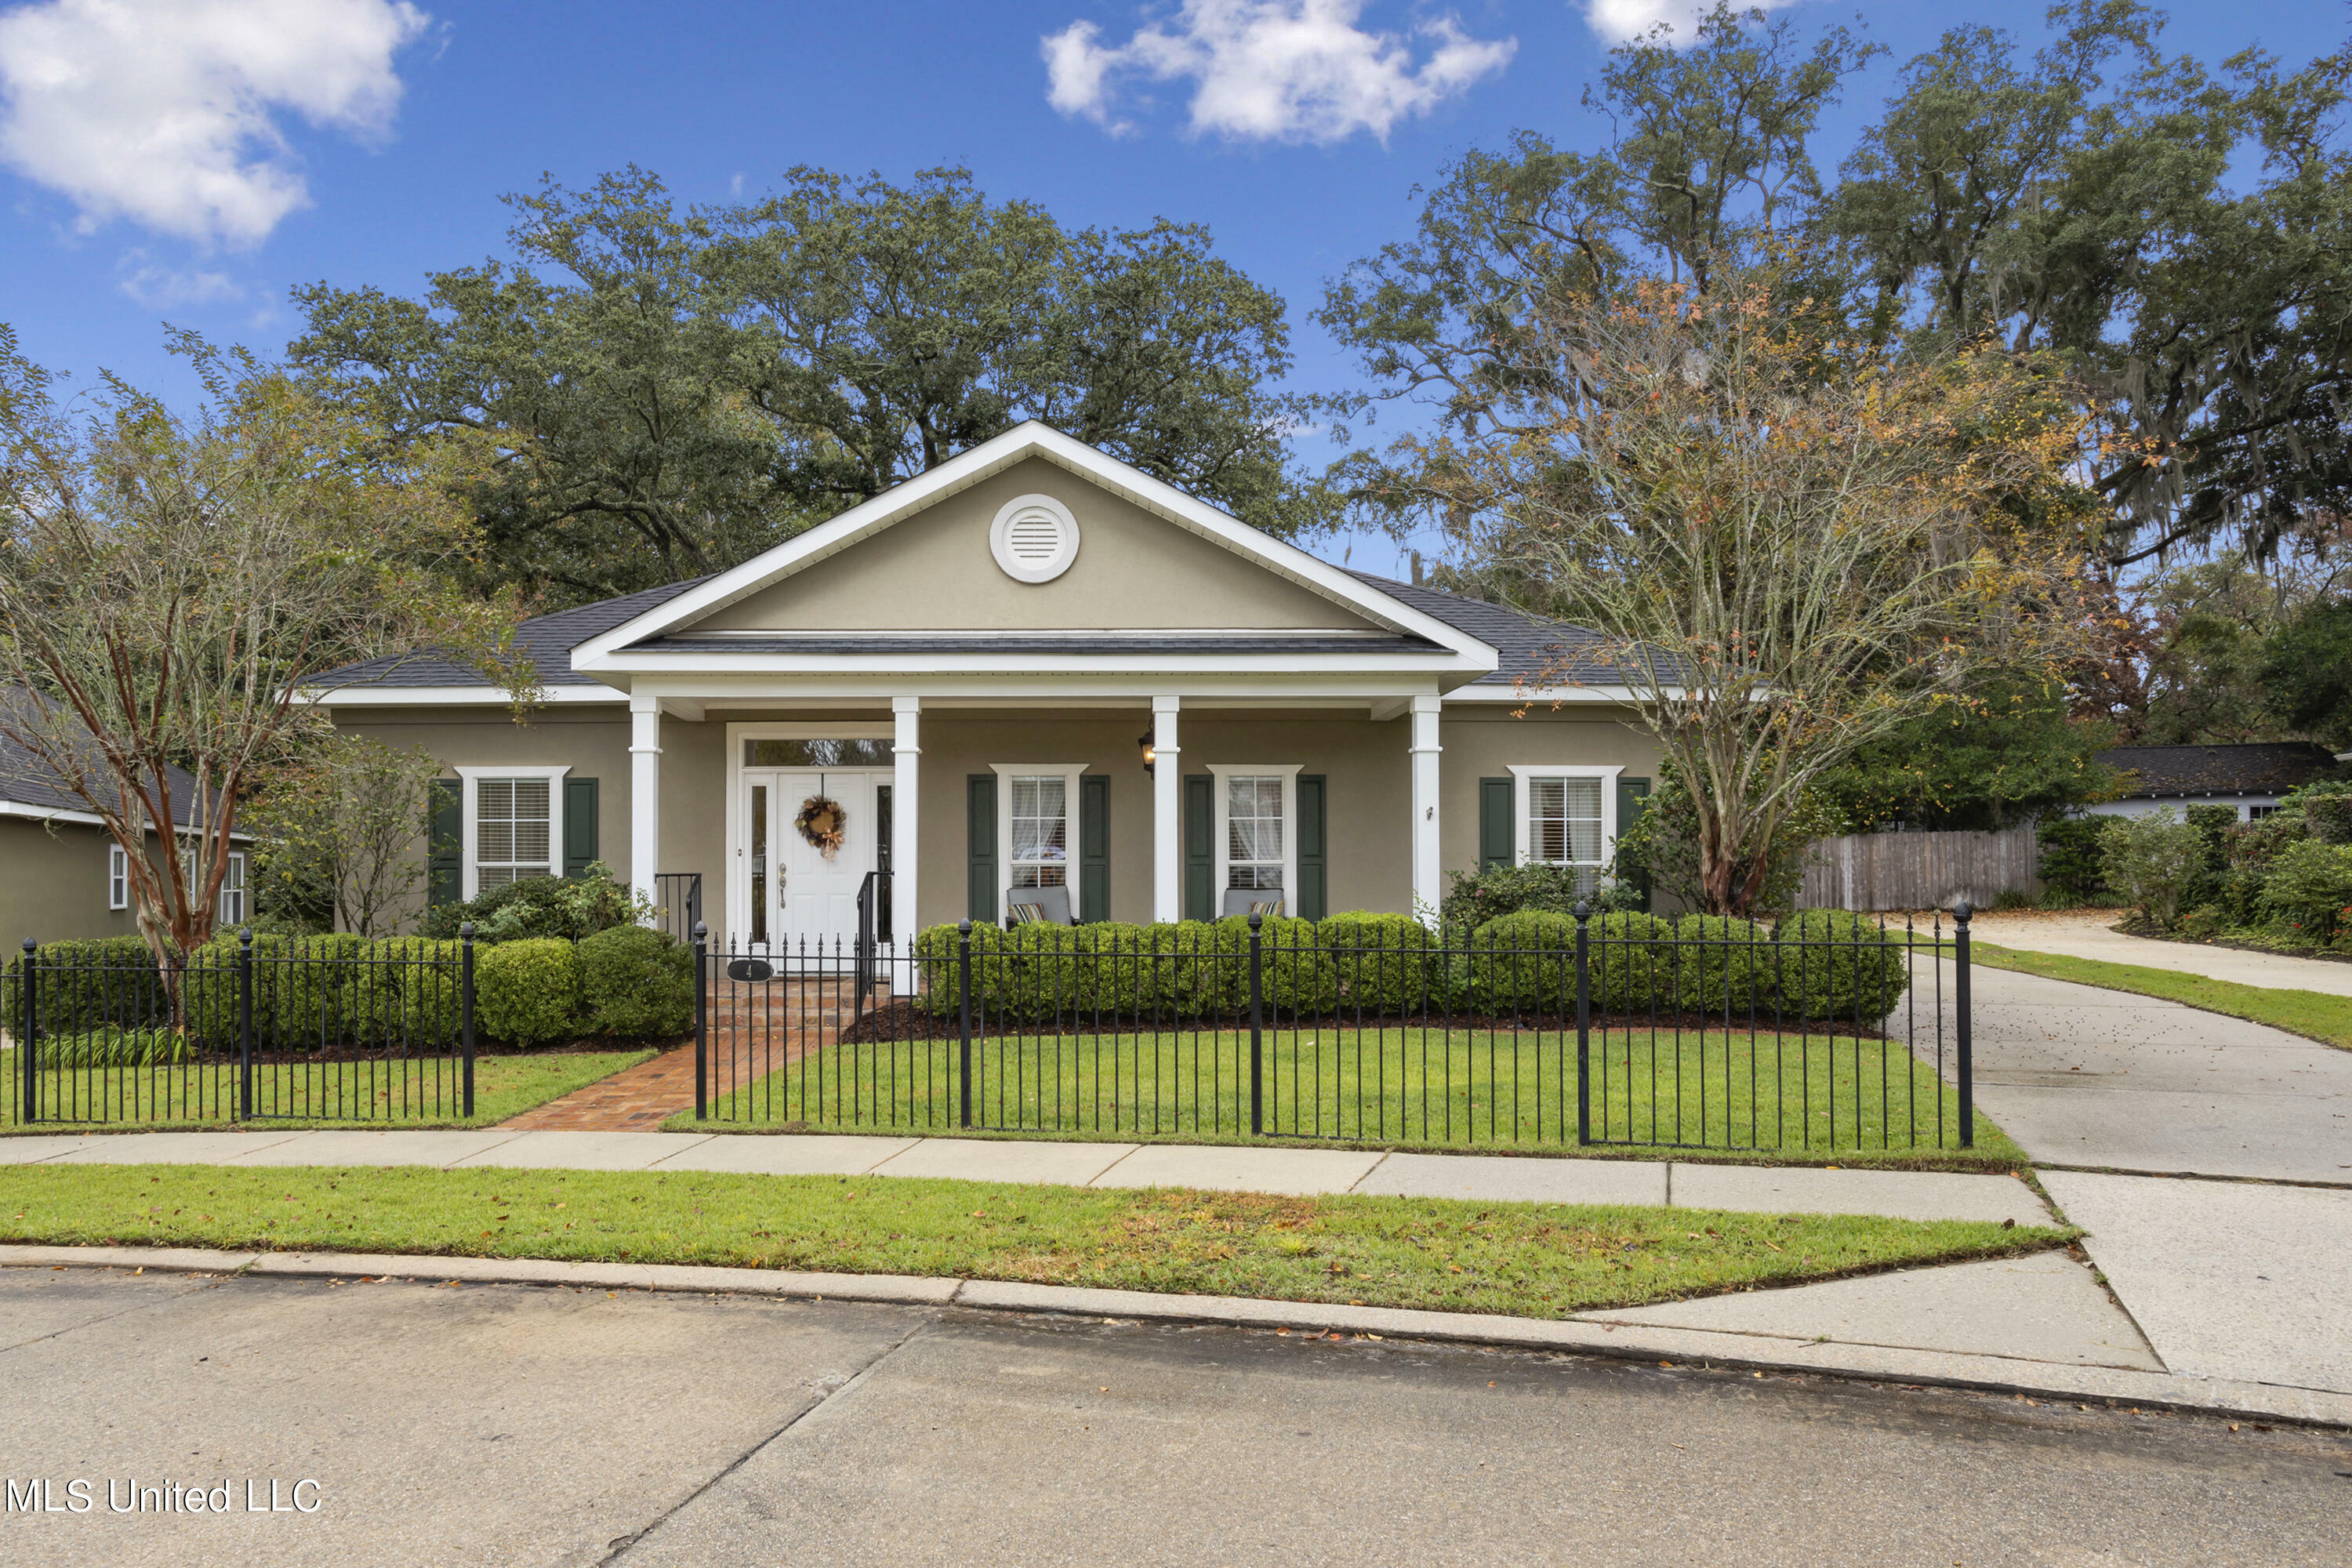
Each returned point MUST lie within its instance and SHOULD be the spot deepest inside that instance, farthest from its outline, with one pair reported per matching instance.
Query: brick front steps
(752, 1029)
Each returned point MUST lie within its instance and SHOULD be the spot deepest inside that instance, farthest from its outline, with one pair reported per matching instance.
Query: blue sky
(190, 164)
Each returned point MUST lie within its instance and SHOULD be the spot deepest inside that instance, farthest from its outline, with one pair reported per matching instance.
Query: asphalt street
(518, 1424)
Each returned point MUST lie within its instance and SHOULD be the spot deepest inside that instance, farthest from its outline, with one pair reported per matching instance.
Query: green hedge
(113, 981)
(312, 992)
(1824, 964)
(1382, 964)
(527, 992)
(1523, 962)
(635, 984)
(1835, 965)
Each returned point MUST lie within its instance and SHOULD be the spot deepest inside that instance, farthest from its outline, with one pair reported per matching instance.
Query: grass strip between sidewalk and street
(2315, 1015)
(406, 1093)
(1536, 1260)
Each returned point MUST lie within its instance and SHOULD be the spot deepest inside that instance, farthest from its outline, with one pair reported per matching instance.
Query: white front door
(789, 892)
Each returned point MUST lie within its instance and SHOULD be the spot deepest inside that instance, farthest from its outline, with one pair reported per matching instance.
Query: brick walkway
(753, 1030)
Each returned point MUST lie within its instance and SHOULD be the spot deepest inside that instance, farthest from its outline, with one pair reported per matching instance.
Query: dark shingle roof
(26, 780)
(2270, 768)
(548, 639)
(1527, 647)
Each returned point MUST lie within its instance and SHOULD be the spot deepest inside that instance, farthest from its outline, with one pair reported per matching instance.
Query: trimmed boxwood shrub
(1623, 952)
(414, 995)
(112, 981)
(1524, 963)
(1713, 962)
(1381, 964)
(526, 992)
(635, 984)
(1835, 965)
(306, 991)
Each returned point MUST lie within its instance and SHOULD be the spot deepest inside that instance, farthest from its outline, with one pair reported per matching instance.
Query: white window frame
(240, 891)
(117, 877)
(472, 778)
(1521, 816)
(1069, 774)
(1221, 828)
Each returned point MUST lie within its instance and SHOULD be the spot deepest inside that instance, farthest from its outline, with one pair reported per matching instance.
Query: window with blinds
(1564, 821)
(512, 830)
(1253, 830)
(1041, 830)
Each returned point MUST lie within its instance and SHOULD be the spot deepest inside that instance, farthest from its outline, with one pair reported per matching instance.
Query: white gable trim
(1028, 440)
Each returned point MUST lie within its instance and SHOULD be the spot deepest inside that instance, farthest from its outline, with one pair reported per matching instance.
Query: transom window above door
(818, 753)
(1040, 822)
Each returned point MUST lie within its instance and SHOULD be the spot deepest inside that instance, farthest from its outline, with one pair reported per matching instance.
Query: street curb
(2114, 1386)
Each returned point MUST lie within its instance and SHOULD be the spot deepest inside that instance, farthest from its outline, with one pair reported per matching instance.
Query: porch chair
(1242, 900)
(1025, 906)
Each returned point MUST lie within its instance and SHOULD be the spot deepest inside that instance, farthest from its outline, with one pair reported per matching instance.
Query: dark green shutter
(1314, 881)
(1633, 799)
(1199, 847)
(979, 824)
(444, 848)
(1497, 834)
(1094, 847)
(580, 828)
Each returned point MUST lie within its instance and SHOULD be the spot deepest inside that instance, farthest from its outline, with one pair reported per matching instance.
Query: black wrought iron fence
(1826, 1032)
(250, 1028)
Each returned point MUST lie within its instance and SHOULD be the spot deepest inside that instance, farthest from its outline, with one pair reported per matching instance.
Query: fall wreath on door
(821, 822)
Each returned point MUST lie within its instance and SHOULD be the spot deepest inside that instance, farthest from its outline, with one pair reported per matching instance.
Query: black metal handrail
(679, 894)
(873, 902)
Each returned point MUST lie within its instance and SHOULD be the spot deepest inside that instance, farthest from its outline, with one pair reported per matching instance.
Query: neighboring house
(2251, 779)
(1034, 673)
(64, 877)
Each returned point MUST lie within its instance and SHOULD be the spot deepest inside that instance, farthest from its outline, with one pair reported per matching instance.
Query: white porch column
(1427, 886)
(644, 796)
(906, 821)
(1167, 811)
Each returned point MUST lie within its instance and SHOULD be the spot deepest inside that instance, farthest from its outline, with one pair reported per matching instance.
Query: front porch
(1136, 807)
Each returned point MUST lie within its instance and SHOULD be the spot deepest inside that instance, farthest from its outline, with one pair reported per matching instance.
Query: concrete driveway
(2089, 933)
(512, 1425)
(2238, 1277)
(2081, 1076)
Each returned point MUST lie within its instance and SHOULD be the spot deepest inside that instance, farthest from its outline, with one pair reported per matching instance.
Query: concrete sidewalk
(1485, 1178)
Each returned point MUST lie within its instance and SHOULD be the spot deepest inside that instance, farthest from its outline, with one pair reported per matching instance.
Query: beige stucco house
(1031, 668)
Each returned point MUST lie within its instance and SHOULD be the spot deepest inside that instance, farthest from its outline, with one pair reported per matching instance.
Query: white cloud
(1283, 70)
(163, 110)
(1621, 21)
(158, 287)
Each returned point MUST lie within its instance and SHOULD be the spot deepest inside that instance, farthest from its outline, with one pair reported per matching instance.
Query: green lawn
(1527, 1259)
(1811, 1098)
(2315, 1015)
(417, 1093)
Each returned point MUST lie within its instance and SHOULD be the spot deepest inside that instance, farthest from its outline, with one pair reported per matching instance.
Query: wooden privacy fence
(1920, 870)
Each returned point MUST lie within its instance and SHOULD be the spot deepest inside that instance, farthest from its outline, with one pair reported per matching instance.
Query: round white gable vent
(1033, 538)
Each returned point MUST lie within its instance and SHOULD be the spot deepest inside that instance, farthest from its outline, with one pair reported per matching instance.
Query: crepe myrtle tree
(1790, 543)
(172, 586)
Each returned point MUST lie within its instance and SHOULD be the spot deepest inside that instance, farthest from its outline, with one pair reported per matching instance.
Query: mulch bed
(900, 1022)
